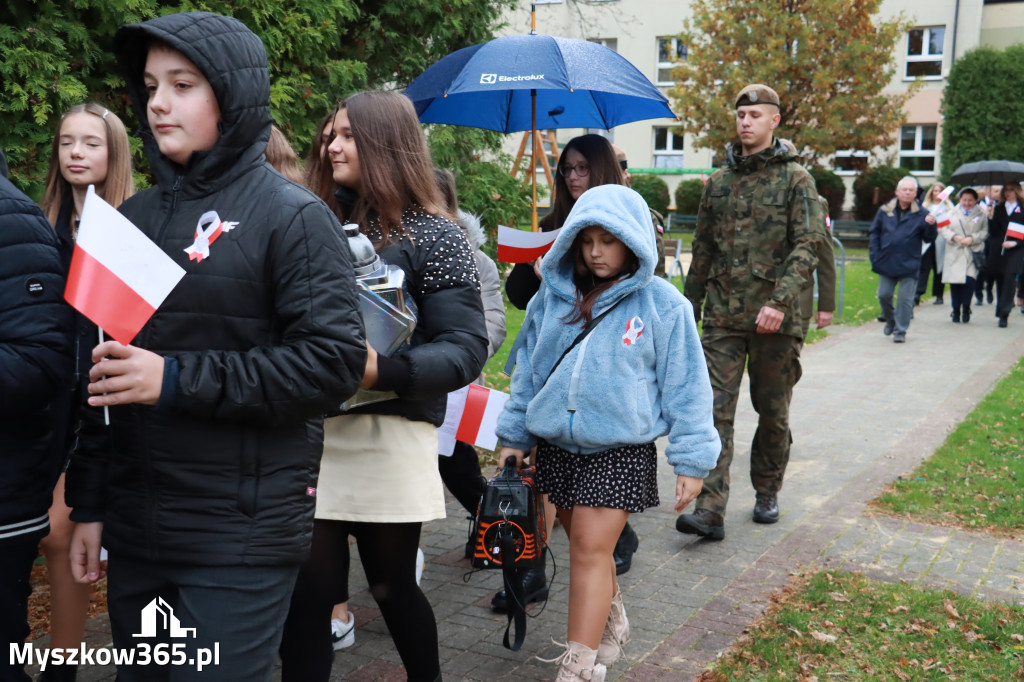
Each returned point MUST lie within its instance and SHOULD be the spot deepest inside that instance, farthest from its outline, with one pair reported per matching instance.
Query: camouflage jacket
(759, 230)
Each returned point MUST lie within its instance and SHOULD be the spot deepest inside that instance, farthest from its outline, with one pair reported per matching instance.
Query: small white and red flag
(471, 417)
(118, 277)
(828, 221)
(942, 220)
(522, 246)
(1014, 231)
(944, 194)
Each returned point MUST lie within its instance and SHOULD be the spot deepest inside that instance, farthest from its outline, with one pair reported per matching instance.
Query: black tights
(388, 554)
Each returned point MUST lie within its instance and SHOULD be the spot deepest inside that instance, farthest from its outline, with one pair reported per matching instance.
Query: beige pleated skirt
(380, 469)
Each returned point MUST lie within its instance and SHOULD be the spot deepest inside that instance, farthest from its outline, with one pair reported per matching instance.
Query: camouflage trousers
(773, 364)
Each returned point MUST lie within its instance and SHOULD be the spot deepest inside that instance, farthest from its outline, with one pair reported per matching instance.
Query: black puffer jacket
(261, 338)
(35, 361)
(449, 346)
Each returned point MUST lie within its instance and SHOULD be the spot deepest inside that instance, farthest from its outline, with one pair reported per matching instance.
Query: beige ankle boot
(616, 632)
(578, 664)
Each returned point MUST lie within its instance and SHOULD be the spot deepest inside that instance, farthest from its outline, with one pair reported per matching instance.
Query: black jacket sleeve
(521, 285)
(322, 355)
(450, 320)
(35, 323)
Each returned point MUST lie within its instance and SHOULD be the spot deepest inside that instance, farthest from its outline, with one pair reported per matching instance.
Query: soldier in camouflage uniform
(759, 229)
(826, 275)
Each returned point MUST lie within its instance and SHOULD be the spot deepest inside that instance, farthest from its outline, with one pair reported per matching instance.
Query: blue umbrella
(535, 82)
(503, 84)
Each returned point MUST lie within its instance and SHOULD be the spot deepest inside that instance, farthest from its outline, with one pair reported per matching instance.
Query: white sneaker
(343, 635)
(421, 561)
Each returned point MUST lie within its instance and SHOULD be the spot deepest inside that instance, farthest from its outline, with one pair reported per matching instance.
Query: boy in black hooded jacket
(204, 484)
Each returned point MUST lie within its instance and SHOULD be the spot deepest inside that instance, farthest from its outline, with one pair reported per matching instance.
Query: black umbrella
(988, 173)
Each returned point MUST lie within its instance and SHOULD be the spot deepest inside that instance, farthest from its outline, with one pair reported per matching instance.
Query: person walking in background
(282, 156)
(90, 147)
(965, 241)
(986, 279)
(933, 254)
(379, 477)
(203, 485)
(759, 232)
(36, 362)
(596, 457)
(1005, 249)
(825, 274)
(461, 470)
(899, 229)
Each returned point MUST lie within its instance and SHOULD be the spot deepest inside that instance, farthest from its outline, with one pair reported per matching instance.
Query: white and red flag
(118, 277)
(942, 220)
(522, 246)
(1014, 231)
(471, 417)
(944, 194)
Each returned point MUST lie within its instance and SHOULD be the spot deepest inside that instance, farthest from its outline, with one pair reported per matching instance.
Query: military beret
(757, 94)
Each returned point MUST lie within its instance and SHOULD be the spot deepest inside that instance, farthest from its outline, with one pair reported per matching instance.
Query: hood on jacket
(622, 212)
(779, 151)
(234, 61)
(474, 231)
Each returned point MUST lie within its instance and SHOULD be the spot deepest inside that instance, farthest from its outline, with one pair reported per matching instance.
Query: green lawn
(840, 626)
(975, 480)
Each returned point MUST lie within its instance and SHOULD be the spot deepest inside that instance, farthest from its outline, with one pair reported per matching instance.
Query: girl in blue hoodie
(638, 375)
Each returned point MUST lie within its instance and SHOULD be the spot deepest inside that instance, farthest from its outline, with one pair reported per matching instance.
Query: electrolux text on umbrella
(487, 78)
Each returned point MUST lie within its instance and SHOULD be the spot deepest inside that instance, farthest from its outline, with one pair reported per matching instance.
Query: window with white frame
(924, 52)
(668, 147)
(917, 148)
(670, 52)
(850, 161)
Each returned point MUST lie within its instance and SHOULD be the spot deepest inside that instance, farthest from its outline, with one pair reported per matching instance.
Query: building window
(668, 148)
(924, 52)
(670, 52)
(850, 162)
(611, 43)
(917, 148)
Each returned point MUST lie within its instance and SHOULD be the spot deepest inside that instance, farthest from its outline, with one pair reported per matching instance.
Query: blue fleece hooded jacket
(639, 375)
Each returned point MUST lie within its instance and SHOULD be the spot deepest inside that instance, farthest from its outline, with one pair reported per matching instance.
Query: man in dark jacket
(204, 484)
(35, 371)
(899, 229)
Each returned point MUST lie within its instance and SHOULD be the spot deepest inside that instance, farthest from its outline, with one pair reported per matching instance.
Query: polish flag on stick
(521, 246)
(945, 194)
(942, 220)
(1015, 231)
(118, 277)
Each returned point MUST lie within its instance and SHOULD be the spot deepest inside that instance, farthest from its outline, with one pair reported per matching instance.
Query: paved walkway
(865, 411)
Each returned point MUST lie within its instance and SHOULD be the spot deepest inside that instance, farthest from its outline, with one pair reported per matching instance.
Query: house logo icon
(488, 78)
(158, 614)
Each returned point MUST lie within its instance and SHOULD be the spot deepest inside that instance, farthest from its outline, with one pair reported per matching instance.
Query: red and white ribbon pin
(207, 235)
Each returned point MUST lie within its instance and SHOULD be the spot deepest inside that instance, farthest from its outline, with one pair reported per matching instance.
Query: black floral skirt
(619, 478)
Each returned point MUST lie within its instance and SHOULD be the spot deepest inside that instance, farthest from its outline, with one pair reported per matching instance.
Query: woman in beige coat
(964, 236)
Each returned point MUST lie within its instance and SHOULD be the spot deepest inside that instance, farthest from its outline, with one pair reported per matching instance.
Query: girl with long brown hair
(379, 478)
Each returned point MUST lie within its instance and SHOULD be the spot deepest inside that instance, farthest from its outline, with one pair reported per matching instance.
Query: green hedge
(654, 190)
